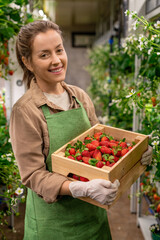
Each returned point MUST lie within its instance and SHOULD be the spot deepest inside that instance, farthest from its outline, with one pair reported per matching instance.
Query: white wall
(77, 61)
(13, 91)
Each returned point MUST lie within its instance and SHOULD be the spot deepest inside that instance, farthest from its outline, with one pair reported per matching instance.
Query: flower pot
(155, 236)
(155, 232)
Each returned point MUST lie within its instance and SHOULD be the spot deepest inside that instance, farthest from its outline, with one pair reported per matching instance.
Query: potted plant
(155, 231)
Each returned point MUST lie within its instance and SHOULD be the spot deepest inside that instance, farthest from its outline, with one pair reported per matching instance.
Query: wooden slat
(64, 167)
(129, 160)
(125, 183)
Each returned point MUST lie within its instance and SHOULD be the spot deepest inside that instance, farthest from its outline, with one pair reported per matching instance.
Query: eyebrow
(59, 45)
(45, 50)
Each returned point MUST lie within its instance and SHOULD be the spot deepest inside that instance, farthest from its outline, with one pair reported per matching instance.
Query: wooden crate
(126, 170)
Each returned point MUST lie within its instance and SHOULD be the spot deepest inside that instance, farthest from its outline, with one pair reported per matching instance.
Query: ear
(27, 63)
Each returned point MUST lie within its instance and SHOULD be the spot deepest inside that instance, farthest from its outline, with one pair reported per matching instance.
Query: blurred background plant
(13, 14)
(119, 87)
(11, 188)
(111, 73)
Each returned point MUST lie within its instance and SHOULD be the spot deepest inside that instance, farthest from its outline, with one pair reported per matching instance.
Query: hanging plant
(13, 14)
(110, 74)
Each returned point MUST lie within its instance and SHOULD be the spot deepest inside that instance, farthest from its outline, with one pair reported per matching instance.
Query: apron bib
(68, 218)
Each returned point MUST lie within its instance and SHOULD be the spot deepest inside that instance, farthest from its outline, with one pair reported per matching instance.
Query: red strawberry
(97, 155)
(86, 159)
(108, 163)
(114, 141)
(105, 150)
(104, 143)
(88, 138)
(95, 142)
(71, 157)
(85, 153)
(5, 44)
(2, 56)
(111, 144)
(124, 151)
(116, 152)
(83, 179)
(116, 158)
(123, 144)
(104, 139)
(10, 72)
(79, 157)
(97, 135)
(112, 164)
(154, 104)
(6, 61)
(75, 177)
(153, 99)
(130, 147)
(72, 151)
(91, 153)
(158, 208)
(156, 197)
(91, 146)
(141, 186)
(99, 164)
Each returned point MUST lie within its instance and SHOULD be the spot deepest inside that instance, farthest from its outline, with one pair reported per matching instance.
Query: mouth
(56, 70)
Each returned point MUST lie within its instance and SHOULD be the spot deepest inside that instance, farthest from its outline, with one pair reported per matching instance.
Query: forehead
(45, 40)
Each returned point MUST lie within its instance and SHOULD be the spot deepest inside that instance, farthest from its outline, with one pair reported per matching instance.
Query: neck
(52, 88)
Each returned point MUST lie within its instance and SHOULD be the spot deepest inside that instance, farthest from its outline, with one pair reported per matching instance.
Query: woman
(50, 114)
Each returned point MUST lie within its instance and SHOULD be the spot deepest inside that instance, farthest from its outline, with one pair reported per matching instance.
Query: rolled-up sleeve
(27, 143)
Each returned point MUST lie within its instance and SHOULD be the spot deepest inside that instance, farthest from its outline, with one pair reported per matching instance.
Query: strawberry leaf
(133, 143)
(68, 146)
(93, 161)
(87, 141)
(67, 153)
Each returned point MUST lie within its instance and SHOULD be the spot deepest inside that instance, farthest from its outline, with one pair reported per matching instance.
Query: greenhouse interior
(79, 119)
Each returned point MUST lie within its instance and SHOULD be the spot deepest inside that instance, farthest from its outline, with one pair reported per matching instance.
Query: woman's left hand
(147, 156)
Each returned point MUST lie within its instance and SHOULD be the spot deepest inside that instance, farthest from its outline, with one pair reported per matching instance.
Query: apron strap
(81, 105)
(45, 110)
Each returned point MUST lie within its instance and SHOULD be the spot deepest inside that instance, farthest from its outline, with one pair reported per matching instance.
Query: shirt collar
(40, 99)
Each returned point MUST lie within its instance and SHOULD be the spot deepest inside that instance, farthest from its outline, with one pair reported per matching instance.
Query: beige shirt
(62, 100)
(30, 140)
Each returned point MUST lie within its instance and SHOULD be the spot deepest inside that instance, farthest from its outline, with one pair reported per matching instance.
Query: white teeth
(57, 70)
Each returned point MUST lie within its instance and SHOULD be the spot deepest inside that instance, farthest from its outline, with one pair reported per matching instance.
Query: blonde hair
(24, 42)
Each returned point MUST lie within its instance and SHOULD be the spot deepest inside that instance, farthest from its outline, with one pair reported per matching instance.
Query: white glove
(147, 156)
(103, 191)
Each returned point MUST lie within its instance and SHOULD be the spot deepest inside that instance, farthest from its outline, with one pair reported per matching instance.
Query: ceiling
(81, 15)
(77, 14)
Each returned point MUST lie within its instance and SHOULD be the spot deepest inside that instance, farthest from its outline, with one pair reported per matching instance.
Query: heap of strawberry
(98, 150)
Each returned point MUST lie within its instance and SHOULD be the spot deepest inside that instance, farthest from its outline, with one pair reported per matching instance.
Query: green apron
(68, 218)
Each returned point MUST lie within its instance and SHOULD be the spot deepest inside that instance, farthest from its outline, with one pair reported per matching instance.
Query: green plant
(11, 188)
(111, 72)
(13, 15)
(145, 93)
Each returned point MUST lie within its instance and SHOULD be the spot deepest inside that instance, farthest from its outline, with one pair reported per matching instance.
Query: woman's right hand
(103, 191)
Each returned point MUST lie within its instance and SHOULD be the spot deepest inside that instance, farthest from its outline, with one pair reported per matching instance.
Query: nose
(55, 59)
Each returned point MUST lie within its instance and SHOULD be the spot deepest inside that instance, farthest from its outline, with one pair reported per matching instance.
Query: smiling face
(48, 61)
